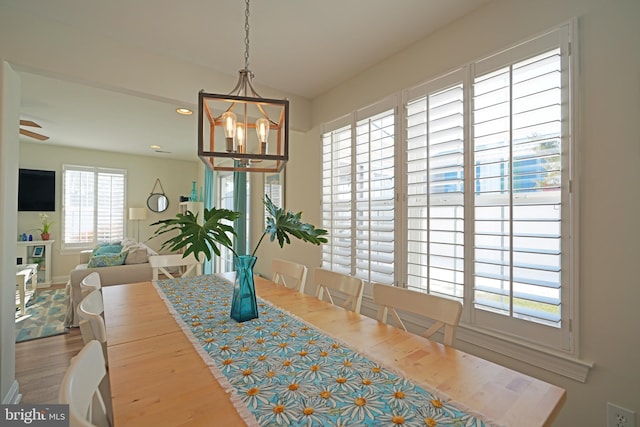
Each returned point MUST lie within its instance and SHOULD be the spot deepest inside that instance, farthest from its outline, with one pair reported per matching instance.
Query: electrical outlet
(620, 417)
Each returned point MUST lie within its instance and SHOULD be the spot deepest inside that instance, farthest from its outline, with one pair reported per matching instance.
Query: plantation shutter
(435, 187)
(518, 178)
(93, 206)
(375, 198)
(225, 197)
(78, 206)
(336, 198)
(474, 203)
(110, 208)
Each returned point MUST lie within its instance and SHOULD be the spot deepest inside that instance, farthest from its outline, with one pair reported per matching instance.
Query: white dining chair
(444, 312)
(90, 283)
(327, 281)
(91, 322)
(82, 390)
(290, 274)
(160, 263)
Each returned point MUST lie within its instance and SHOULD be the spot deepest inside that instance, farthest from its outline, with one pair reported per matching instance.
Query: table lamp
(137, 214)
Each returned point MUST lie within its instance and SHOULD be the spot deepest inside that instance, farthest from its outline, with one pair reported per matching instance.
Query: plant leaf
(281, 224)
(198, 238)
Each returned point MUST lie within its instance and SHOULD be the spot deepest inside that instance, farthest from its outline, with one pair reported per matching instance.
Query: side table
(24, 273)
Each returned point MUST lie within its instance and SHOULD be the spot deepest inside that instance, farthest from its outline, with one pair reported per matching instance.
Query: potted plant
(46, 225)
(203, 239)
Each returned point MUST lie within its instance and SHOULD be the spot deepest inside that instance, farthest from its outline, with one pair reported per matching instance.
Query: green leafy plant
(203, 238)
(197, 238)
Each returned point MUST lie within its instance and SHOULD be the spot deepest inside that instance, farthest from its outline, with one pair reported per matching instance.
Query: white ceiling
(296, 46)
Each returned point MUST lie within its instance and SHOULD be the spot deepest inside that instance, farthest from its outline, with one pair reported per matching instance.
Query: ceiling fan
(29, 133)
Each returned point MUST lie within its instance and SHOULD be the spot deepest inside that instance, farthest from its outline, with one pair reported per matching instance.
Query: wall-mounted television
(36, 190)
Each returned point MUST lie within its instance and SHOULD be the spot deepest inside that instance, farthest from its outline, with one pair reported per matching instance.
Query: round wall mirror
(157, 202)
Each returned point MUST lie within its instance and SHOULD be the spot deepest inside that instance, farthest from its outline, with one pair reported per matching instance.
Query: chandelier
(242, 131)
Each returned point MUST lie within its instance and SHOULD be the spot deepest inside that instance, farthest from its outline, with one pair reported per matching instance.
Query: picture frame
(38, 251)
(274, 187)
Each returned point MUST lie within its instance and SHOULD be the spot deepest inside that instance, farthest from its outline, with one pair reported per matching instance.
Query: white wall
(9, 101)
(609, 153)
(142, 171)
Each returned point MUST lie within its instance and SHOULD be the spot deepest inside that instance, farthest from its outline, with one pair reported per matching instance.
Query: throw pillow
(107, 260)
(137, 255)
(128, 244)
(103, 249)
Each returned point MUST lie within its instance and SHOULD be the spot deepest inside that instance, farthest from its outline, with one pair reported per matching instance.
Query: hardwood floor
(41, 364)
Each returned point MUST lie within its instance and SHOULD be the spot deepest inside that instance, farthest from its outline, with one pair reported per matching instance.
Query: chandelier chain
(246, 35)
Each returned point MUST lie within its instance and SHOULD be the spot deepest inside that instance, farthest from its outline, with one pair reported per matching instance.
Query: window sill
(74, 251)
(540, 357)
(544, 358)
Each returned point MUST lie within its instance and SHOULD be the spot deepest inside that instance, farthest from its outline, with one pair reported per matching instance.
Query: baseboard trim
(59, 279)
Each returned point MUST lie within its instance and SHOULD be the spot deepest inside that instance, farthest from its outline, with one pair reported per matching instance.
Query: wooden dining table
(158, 377)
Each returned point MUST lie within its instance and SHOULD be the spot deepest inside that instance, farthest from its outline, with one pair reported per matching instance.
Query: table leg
(34, 281)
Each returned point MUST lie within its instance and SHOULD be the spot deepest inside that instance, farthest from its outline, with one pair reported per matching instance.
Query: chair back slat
(445, 312)
(91, 323)
(90, 310)
(81, 388)
(159, 263)
(91, 282)
(290, 274)
(327, 281)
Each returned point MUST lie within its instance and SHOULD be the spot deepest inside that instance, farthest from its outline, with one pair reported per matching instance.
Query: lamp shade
(137, 213)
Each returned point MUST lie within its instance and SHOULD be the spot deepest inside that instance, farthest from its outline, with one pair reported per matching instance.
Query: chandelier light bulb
(262, 129)
(229, 124)
(240, 138)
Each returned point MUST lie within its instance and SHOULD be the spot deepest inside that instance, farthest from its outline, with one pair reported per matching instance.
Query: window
(225, 200)
(474, 204)
(224, 262)
(93, 206)
(435, 188)
(359, 196)
(336, 199)
(518, 133)
(274, 187)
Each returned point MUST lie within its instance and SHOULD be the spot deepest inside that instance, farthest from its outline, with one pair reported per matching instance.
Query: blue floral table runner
(281, 371)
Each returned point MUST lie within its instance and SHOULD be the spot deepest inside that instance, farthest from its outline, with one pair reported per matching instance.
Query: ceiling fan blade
(33, 135)
(29, 123)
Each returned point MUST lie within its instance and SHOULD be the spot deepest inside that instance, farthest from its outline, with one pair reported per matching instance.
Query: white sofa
(136, 271)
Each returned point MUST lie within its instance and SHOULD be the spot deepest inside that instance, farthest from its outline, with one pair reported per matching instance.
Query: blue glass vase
(193, 197)
(243, 304)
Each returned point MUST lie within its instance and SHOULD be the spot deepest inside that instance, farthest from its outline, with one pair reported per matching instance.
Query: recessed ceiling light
(184, 111)
(155, 147)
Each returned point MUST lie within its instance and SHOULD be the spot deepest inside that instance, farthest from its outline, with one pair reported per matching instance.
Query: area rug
(44, 316)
